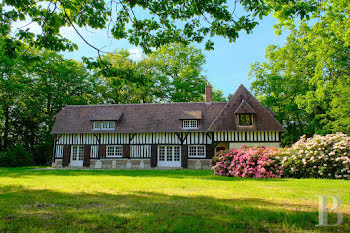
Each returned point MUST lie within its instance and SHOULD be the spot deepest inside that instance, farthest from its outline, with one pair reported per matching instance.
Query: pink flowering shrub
(318, 157)
(254, 162)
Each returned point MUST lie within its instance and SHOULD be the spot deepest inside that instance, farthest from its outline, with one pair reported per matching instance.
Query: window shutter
(102, 151)
(87, 152)
(126, 151)
(66, 155)
(184, 156)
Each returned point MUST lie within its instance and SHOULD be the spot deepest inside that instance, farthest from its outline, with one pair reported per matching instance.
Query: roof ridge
(108, 105)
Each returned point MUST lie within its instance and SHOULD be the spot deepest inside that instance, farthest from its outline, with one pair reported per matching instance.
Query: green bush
(16, 157)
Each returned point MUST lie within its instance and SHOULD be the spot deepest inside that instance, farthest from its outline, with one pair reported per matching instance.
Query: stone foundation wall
(57, 163)
(121, 163)
(264, 144)
(134, 163)
(199, 164)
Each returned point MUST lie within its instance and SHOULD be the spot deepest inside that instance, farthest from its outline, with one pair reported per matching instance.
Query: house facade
(183, 135)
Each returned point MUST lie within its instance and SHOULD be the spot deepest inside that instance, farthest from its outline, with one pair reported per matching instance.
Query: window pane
(74, 153)
(112, 124)
(105, 124)
(176, 153)
(97, 124)
(161, 152)
(114, 151)
(169, 153)
(196, 151)
(201, 151)
(81, 153)
(190, 124)
(245, 119)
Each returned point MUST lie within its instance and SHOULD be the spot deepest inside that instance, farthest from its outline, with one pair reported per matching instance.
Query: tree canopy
(148, 24)
(307, 80)
(37, 84)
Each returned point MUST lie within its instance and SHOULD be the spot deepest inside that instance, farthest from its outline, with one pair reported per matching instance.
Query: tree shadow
(178, 174)
(26, 210)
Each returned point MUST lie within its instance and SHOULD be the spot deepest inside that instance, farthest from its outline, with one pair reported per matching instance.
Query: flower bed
(318, 157)
(248, 162)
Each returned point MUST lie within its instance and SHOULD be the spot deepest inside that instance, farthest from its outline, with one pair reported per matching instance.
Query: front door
(77, 156)
(169, 156)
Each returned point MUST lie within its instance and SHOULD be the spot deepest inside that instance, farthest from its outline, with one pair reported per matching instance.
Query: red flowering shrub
(254, 162)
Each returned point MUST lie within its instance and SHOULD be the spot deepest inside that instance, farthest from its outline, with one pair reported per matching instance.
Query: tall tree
(35, 86)
(307, 81)
(179, 71)
(172, 73)
(130, 83)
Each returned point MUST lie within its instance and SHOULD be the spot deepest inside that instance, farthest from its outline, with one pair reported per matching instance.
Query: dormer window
(104, 125)
(190, 124)
(245, 119)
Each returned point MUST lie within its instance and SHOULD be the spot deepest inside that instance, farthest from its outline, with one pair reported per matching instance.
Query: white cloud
(136, 53)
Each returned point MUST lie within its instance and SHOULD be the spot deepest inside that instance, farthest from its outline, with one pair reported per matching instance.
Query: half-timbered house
(161, 135)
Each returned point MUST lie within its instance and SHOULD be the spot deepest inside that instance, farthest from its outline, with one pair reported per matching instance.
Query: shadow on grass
(25, 210)
(178, 174)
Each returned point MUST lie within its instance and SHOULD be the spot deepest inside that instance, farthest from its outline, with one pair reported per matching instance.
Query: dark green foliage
(147, 24)
(16, 157)
(307, 80)
(36, 85)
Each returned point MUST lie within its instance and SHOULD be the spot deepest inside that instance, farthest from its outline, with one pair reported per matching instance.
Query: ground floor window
(196, 151)
(114, 151)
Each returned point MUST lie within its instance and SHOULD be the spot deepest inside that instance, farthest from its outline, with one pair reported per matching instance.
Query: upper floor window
(245, 119)
(104, 125)
(190, 124)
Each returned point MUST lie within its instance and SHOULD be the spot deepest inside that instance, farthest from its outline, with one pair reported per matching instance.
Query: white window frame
(103, 125)
(194, 152)
(190, 124)
(79, 155)
(117, 151)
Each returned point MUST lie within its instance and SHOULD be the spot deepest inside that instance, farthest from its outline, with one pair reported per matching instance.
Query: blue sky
(227, 66)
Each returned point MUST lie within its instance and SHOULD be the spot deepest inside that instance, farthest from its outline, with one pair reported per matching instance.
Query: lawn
(161, 201)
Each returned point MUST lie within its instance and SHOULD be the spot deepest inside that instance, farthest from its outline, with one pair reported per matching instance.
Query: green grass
(161, 201)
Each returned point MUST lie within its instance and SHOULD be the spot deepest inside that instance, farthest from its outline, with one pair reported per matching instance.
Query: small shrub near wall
(254, 162)
(318, 157)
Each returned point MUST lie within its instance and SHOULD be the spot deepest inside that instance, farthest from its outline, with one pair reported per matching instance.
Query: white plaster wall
(258, 144)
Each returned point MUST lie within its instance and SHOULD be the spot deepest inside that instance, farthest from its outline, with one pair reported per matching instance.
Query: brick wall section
(66, 155)
(102, 151)
(87, 151)
(153, 155)
(126, 151)
(184, 152)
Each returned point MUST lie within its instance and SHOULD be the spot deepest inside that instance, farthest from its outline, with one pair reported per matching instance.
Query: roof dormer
(245, 114)
(190, 119)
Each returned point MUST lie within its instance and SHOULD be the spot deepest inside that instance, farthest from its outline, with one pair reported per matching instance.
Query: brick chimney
(208, 93)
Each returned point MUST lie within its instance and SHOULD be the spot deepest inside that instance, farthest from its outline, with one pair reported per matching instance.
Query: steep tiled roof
(226, 120)
(191, 115)
(244, 107)
(135, 118)
(142, 118)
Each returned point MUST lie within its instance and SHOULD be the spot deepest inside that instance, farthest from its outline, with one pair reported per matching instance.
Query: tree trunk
(7, 127)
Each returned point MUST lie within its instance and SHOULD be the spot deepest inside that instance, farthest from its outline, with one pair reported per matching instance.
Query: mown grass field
(161, 201)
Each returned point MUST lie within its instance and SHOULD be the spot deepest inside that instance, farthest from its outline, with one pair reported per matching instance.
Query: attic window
(245, 119)
(190, 124)
(104, 125)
